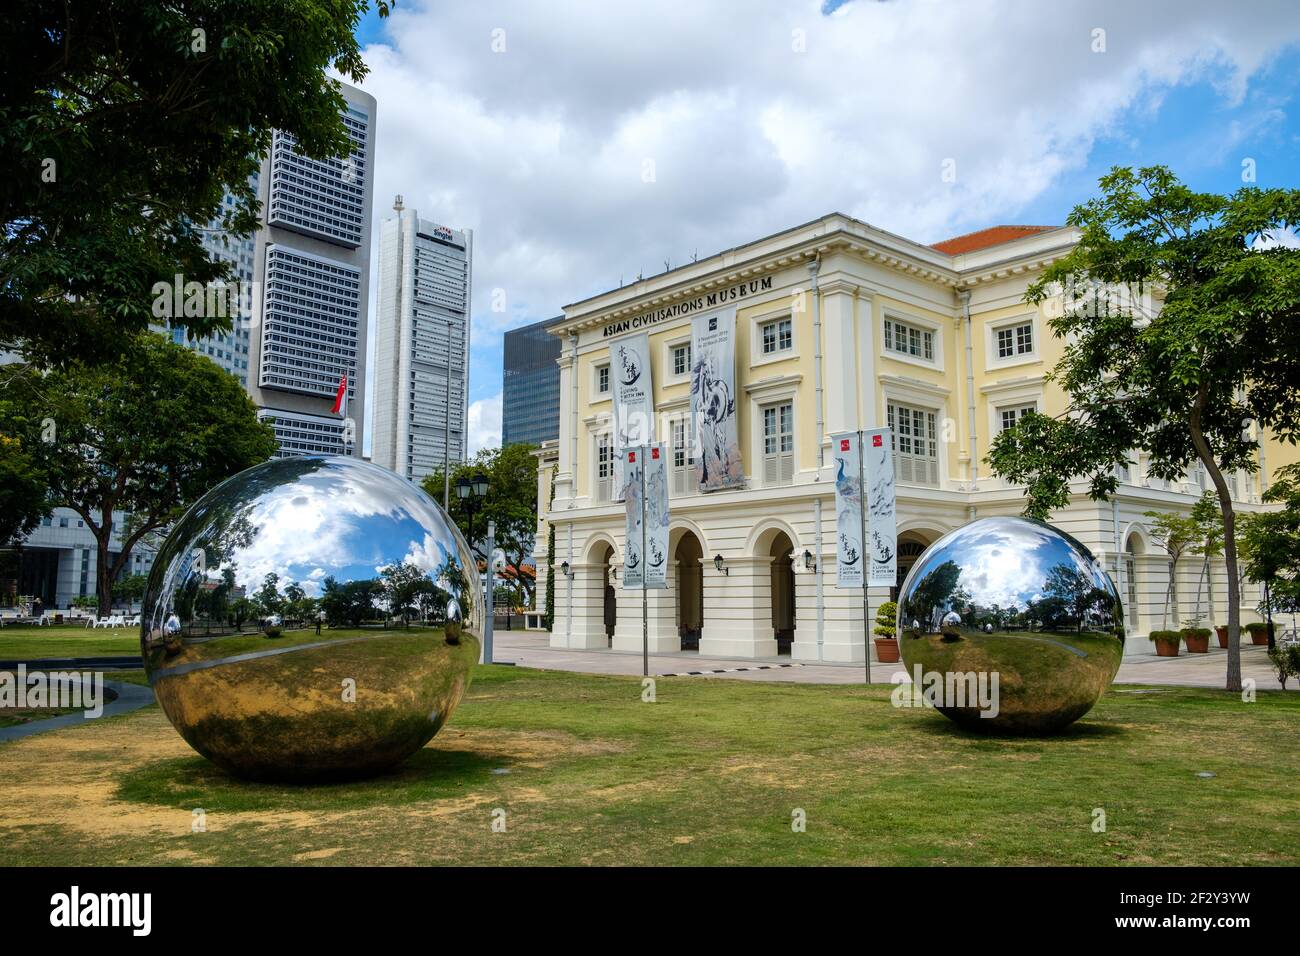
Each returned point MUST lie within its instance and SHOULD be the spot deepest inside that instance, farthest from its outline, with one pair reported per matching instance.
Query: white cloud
(485, 423)
(543, 149)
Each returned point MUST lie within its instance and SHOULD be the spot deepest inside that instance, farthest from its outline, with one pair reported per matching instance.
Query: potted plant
(1258, 632)
(1197, 639)
(886, 630)
(1166, 642)
(1222, 631)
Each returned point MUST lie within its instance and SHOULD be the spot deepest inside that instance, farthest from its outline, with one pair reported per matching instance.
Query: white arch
(680, 525)
(1138, 530)
(760, 531)
(589, 553)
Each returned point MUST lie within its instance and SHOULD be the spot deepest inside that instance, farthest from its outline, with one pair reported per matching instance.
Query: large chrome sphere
(277, 553)
(1013, 619)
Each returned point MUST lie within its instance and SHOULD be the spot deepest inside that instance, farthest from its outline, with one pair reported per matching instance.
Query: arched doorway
(1132, 548)
(911, 545)
(689, 556)
(782, 591)
(605, 559)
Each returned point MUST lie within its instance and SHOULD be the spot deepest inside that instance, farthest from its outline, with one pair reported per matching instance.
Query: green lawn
(709, 774)
(22, 642)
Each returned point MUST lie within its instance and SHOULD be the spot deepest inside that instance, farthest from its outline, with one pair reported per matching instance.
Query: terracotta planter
(1166, 648)
(1222, 632)
(1259, 637)
(1197, 643)
(886, 649)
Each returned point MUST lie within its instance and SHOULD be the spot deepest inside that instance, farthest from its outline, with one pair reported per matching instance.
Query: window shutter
(787, 468)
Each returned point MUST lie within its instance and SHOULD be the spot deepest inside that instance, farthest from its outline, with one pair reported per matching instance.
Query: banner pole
(866, 569)
(645, 573)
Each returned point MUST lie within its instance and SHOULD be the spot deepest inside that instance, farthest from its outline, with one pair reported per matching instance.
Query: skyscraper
(530, 385)
(312, 276)
(422, 344)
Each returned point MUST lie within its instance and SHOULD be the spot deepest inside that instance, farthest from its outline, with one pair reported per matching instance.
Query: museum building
(839, 326)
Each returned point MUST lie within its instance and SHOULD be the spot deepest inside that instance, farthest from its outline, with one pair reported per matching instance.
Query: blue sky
(539, 145)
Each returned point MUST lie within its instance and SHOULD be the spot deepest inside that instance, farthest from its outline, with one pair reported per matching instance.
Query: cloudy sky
(588, 142)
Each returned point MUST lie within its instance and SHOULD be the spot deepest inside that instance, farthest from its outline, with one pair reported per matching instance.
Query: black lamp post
(471, 492)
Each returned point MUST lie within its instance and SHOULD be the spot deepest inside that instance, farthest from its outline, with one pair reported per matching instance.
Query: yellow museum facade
(839, 326)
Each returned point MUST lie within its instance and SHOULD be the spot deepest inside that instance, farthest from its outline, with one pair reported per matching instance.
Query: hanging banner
(650, 569)
(849, 548)
(634, 419)
(882, 509)
(713, 402)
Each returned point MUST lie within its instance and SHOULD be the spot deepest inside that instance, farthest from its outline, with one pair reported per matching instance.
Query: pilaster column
(661, 615)
(838, 300)
(738, 610)
(588, 607)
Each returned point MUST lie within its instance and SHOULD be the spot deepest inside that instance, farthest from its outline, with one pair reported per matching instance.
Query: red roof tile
(984, 238)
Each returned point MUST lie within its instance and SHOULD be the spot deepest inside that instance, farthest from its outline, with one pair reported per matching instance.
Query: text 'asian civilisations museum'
(838, 326)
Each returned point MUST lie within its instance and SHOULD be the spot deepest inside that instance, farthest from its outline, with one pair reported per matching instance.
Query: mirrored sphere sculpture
(1012, 625)
(311, 618)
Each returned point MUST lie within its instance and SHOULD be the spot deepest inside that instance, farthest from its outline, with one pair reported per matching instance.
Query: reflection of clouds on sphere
(351, 700)
(1020, 600)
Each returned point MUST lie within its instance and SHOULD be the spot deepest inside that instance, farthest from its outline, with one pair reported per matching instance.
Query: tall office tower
(230, 350)
(530, 385)
(312, 269)
(422, 344)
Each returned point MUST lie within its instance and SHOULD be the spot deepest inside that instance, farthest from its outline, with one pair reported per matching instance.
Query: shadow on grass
(936, 723)
(429, 775)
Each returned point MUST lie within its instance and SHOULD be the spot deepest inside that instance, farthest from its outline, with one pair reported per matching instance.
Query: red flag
(341, 398)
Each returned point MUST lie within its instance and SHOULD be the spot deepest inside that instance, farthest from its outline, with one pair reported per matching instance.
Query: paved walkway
(531, 649)
(129, 697)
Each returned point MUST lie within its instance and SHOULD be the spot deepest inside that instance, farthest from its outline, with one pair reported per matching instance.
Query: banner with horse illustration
(650, 569)
(634, 418)
(713, 402)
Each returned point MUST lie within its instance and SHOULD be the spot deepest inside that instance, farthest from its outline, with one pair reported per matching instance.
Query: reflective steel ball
(311, 618)
(1014, 627)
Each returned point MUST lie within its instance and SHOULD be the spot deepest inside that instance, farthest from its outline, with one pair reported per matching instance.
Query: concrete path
(531, 649)
(129, 697)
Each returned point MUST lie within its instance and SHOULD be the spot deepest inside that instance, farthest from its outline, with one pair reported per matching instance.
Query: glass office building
(530, 390)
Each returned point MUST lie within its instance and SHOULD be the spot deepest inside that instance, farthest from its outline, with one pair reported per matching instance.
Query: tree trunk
(103, 572)
(1204, 453)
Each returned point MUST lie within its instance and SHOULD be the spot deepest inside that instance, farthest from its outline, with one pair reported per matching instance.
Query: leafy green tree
(145, 435)
(241, 610)
(268, 595)
(23, 500)
(129, 588)
(351, 603)
(1175, 535)
(511, 502)
(1182, 382)
(123, 126)
(402, 588)
(1271, 539)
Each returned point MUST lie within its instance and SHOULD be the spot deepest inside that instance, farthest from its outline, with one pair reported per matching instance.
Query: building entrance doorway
(782, 592)
(690, 591)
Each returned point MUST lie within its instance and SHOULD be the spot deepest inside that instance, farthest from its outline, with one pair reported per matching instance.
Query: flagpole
(645, 574)
(862, 514)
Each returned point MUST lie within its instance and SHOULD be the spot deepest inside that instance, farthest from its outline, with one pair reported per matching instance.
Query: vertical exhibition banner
(713, 402)
(849, 547)
(634, 420)
(882, 511)
(649, 570)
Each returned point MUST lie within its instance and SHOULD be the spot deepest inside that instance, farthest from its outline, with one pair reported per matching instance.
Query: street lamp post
(471, 492)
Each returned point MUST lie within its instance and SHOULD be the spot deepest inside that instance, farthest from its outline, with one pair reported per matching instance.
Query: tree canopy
(1179, 319)
(122, 127)
(511, 502)
(144, 436)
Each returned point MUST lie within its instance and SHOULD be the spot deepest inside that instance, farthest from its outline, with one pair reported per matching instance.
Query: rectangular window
(681, 359)
(1015, 340)
(1130, 573)
(778, 444)
(909, 340)
(1012, 414)
(604, 466)
(602, 379)
(916, 445)
(777, 335)
(683, 451)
